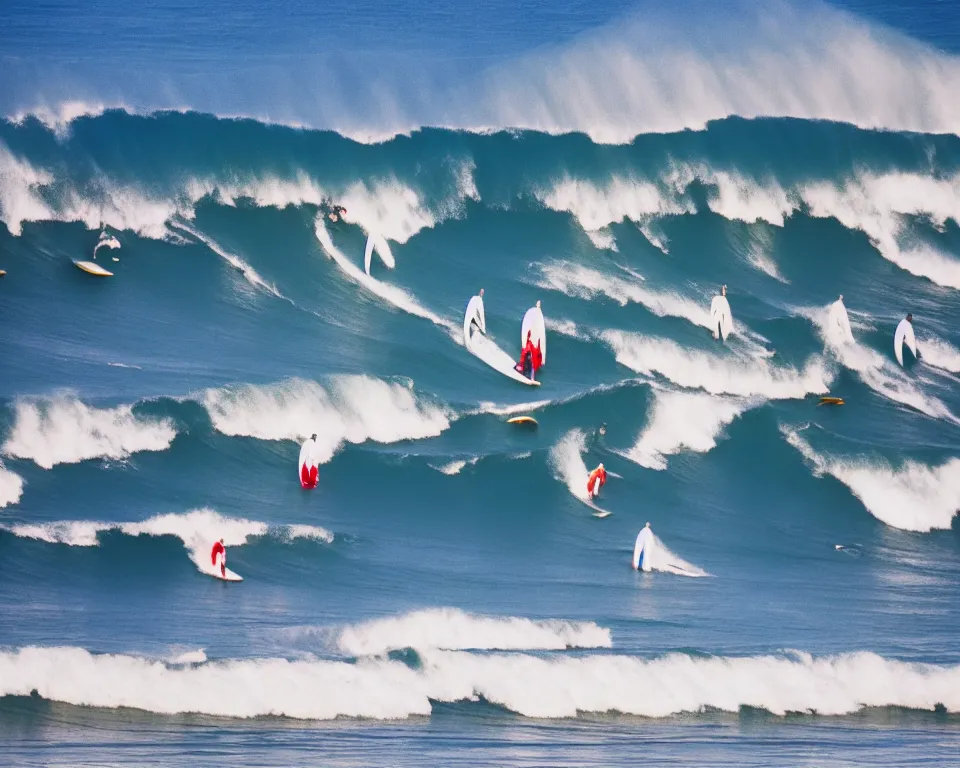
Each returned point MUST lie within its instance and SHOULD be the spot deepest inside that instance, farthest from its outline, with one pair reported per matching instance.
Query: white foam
(58, 117)
(680, 421)
(913, 496)
(190, 657)
(198, 530)
(663, 560)
(345, 409)
(532, 686)
(567, 328)
(453, 629)
(876, 371)
(597, 206)
(248, 272)
(20, 198)
(11, 487)
(939, 353)
(583, 282)
(716, 374)
(876, 204)
(566, 458)
(63, 430)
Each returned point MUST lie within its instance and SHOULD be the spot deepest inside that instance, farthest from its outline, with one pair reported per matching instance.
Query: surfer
(596, 481)
(720, 315)
(220, 552)
(641, 550)
(530, 358)
(904, 335)
(309, 470)
(337, 212)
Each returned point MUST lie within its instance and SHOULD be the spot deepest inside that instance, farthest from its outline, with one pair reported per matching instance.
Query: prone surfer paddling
(219, 551)
(596, 481)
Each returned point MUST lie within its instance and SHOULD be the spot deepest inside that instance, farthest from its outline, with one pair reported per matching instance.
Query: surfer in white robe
(904, 334)
(643, 549)
(720, 316)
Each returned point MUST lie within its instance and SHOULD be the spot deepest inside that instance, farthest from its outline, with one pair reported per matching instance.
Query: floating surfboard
(3, 272)
(92, 268)
(602, 515)
(831, 401)
(522, 420)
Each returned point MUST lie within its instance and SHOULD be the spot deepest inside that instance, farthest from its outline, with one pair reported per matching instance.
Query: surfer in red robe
(531, 358)
(218, 549)
(596, 481)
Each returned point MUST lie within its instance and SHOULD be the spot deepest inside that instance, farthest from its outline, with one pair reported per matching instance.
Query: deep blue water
(445, 596)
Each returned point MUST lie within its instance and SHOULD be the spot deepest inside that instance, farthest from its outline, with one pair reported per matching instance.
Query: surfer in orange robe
(596, 481)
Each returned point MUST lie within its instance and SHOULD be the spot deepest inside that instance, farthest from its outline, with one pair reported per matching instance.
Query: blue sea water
(446, 596)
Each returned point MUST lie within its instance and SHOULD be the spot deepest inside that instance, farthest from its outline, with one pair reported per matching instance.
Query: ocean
(447, 595)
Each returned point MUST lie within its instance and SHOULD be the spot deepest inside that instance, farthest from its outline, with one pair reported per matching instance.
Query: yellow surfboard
(522, 420)
(831, 401)
(92, 268)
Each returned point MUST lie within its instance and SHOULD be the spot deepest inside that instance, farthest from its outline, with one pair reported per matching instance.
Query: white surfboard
(485, 348)
(474, 312)
(643, 549)
(379, 244)
(839, 324)
(92, 268)
(904, 335)
(228, 575)
(721, 317)
(533, 322)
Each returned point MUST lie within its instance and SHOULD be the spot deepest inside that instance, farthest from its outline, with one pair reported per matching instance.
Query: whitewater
(301, 205)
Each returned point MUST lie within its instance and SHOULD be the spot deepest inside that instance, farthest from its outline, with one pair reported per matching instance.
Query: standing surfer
(904, 335)
(720, 316)
(530, 358)
(218, 556)
(309, 468)
(596, 481)
(642, 549)
(476, 317)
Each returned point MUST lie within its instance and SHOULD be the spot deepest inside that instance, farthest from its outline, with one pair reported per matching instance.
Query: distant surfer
(530, 358)
(904, 335)
(642, 549)
(720, 316)
(596, 481)
(337, 212)
(309, 469)
(218, 556)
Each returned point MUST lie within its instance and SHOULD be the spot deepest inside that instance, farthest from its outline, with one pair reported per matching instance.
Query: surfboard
(533, 322)
(228, 575)
(92, 268)
(721, 317)
(522, 420)
(831, 401)
(3, 272)
(484, 348)
(379, 244)
(602, 515)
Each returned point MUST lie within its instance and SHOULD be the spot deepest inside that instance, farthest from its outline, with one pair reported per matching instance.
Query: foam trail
(681, 421)
(346, 409)
(665, 561)
(876, 371)
(531, 686)
(566, 458)
(453, 629)
(394, 296)
(940, 353)
(913, 497)
(11, 487)
(248, 272)
(583, 282)
(197, 530)
(695, 369)
(190, 657)
(455, 467)
(63, 430)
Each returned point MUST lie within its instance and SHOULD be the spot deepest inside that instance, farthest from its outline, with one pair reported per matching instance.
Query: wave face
(448, 570)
